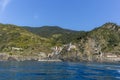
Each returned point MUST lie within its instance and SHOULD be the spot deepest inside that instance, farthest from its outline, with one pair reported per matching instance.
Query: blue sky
(70, 14)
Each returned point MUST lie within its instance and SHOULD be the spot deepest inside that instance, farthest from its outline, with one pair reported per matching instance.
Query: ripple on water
(58, 71)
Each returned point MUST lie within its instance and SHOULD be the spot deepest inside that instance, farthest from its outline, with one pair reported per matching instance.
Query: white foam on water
(118, 71)
(117, 77)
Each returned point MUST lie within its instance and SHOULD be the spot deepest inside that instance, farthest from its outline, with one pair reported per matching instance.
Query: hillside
(51, 42)
(15, 39)
(107, 36)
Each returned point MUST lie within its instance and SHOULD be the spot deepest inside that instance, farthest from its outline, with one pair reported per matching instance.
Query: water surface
(34, 70)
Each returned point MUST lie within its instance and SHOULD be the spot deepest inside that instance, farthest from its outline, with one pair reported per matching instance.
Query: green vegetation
(13, 38)
(108, 36)
(57, 35)
(31, 40)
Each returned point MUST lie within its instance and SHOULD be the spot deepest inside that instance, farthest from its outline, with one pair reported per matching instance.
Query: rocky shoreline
(6, 57)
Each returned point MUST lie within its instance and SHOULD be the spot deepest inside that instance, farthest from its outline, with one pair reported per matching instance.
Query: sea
(36, 70)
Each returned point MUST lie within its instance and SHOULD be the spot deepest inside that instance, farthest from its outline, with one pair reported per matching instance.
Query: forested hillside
(68, 44)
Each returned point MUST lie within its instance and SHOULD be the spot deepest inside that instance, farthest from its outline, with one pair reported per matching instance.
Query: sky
(69, 14)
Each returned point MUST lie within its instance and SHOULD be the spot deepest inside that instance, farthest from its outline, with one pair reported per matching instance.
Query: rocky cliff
(96, 45)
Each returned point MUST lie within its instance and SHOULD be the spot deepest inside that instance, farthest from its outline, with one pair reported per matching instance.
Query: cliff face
(96, 45)
(108, 37)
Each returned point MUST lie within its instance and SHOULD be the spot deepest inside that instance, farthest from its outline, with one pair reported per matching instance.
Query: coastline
(6, 57)
(52, 60)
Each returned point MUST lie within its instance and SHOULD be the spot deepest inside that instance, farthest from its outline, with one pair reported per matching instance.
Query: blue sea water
(34, 70)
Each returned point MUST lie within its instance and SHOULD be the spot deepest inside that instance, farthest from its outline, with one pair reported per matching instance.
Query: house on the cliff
(110, 55)
(17, 49)
(71, 46)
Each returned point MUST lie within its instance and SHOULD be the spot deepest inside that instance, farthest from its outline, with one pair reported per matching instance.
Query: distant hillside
(57, 34)
(48, 31)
